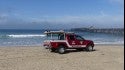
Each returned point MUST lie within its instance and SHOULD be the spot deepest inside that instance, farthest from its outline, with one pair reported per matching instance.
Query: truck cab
(60, 41)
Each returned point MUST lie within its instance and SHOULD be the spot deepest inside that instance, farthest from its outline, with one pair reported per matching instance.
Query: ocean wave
(25, 35)
(109, 42)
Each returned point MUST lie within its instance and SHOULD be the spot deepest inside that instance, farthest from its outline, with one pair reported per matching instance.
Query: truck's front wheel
(61, 49)
(89, 48)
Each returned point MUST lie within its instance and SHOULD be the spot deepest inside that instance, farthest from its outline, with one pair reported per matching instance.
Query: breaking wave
(22, 36)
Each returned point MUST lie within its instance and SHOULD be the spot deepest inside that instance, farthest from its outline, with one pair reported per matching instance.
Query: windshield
(79, 37)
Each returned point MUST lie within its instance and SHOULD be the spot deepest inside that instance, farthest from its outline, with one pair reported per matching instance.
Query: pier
(101, 30)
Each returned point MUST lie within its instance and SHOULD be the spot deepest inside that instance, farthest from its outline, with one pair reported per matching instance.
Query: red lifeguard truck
(60, 41)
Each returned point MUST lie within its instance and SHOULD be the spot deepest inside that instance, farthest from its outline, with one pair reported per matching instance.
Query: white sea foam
(26, 35)
(108, 42)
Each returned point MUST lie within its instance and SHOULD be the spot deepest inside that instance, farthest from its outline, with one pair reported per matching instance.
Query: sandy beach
(105, 57)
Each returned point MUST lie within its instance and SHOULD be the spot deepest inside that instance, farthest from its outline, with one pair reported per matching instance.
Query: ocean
(15, 37)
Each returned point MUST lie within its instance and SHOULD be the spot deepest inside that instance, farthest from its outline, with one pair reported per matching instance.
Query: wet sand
(105, 57)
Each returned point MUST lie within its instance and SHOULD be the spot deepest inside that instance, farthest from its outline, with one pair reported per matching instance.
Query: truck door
(80, 41)
(71, 40)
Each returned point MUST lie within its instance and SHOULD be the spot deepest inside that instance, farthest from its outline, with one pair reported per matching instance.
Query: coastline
(105, 57)
(42, 46)
(122, 45)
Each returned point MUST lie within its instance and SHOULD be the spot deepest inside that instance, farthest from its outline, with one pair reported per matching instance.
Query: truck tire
(89, 48)
(61, 50)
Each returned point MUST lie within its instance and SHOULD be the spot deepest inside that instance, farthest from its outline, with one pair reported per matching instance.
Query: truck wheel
(61, 49)
(89, 48)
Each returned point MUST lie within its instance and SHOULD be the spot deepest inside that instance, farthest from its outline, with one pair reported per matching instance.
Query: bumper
(47, 47)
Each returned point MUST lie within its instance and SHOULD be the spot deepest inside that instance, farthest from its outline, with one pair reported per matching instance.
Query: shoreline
(42, 46)
(110, 44)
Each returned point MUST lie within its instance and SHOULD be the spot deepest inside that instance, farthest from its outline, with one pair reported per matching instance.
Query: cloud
(3, 17)
(117, 2)
(102, 20)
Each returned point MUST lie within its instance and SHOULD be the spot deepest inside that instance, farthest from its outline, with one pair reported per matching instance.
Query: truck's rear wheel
(89, 48)
(61, 49)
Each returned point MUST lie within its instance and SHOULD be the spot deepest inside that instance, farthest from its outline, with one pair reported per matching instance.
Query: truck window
(79, 37)
(61, 37)
(71, 37)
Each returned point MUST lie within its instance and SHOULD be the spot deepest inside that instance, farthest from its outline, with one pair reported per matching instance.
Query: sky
(61, 14)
